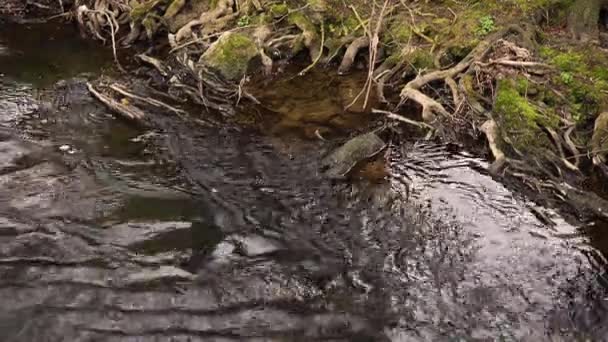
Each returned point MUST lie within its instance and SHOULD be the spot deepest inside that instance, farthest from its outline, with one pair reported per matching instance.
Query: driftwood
(128, 112)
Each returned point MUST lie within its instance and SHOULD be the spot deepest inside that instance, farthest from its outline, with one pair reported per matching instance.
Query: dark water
(198, 233)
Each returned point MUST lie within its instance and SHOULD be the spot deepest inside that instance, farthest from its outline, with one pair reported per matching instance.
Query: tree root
(490, 129)
(351, 53)
(430, 107)
(223, 7)
(104, 14)
(157, 64)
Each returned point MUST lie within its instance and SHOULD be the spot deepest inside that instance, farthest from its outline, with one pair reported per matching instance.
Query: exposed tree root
(351, 53)
(490, 129)
(223, 7)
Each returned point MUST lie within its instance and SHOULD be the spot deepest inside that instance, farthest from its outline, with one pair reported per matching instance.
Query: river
(183, 232)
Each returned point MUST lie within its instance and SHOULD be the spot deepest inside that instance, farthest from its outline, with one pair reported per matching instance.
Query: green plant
(566, 77)
(486, 25)
(244, 21)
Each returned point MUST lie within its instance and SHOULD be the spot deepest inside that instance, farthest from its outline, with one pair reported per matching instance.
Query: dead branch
(401, 118)
(156, 103)
(127, 112)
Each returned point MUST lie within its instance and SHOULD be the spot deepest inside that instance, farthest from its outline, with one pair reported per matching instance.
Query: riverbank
(510, 78)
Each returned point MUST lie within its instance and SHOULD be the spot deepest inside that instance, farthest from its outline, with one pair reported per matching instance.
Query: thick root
(351, 53)
(224, 7)
(490, 129)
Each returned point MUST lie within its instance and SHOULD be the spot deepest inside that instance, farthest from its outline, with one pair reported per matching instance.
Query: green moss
(401, 32)
(422, 59)
(583, 78)
(279, 10)
(302, 22)
(519, 118)
(319, 5)
(139, 11)
(231, 55)
(174, 8)
(151, 23)
(522, 85)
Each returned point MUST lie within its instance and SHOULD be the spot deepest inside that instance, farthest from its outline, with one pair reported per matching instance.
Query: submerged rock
(230, 55)
(340, 162)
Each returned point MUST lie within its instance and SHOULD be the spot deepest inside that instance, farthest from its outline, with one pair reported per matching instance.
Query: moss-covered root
(310, 36)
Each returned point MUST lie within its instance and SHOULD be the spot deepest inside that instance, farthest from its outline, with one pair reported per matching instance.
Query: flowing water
(110, 232)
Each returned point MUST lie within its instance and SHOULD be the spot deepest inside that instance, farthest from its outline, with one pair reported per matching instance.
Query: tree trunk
(583, 21)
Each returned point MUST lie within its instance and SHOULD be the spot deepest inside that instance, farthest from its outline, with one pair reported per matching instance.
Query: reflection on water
(42, 54)
(214, 234)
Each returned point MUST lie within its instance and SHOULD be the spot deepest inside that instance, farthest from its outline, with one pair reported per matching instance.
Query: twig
(401, 118)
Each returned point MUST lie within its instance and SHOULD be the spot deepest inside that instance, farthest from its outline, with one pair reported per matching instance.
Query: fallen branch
(127, 112)
(147, 100)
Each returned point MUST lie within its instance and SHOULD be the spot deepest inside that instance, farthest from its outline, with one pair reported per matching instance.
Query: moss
(279, 10)
(319, 5)
(400, 32)
(140, 10)
(174, 8)
(582, 77)
(302, 22)
(422, 59)
(522, 85)
(230, 55)
(151, 23)
(519, 118)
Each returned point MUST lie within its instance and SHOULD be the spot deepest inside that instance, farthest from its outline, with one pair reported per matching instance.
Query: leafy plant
(244, 21)
(566, 77)
(486, 25)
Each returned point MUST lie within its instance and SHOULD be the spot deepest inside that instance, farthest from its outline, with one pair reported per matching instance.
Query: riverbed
(220, 232)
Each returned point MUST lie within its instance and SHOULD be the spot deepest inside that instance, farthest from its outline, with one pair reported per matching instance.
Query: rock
(255, 245)
(230, 55)
(339, 163)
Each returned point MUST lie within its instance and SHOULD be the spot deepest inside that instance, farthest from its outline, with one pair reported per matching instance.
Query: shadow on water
(111, 233)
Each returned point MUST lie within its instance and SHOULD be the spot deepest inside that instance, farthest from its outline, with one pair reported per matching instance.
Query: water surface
(193, 233)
